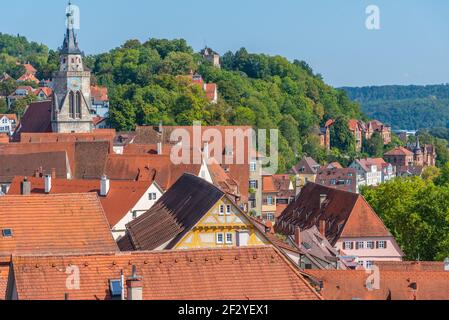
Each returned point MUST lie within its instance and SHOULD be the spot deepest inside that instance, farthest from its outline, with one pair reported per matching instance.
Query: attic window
(115, 286)
(7, 233)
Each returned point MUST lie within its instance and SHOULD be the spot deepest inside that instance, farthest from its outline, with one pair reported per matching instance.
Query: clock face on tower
(74, 84)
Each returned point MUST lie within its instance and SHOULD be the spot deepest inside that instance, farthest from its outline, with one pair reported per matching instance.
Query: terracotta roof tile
(55, 224)
(268, 184)
(37, 118)
(79, 154)
(122, 196)
(218, 274)
(99, 93)
(27, 164)
(306, 166)
(394, 285)
(346, 214)
(4, 272)
(239, 172)
(400, 151)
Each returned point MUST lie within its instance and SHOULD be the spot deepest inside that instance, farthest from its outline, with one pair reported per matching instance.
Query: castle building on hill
(72, 92)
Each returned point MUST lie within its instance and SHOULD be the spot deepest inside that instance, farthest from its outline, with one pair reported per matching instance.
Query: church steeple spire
(70, 45)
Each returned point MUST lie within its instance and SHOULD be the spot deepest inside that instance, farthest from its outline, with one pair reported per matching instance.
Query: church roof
(70, 45)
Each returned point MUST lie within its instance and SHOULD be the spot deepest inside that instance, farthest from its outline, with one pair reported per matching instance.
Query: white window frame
(270, 217)
(368, 246)
(348, 245)
(361, 245)
(253, 166)
(382, 244)
(217, 236)
(152, 196)
(227, 240)
(221, 210)
(228, 210)
(369, 265)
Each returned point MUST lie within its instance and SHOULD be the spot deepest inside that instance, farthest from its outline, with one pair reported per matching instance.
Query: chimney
(134, 286)
(298, 240)
(25, 187)
(160, 127)
(104, 186)
(323, 227)
(47, 183)
(159, 148)
(323, 198)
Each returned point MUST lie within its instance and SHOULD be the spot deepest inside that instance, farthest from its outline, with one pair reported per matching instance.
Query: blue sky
(412, 46)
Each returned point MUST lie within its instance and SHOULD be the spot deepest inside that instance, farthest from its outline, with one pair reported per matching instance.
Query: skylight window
(7, 233)
(116, 288)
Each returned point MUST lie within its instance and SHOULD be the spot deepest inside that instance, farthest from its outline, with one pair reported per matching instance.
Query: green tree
(417, 214)
(341, 136)
(374, 147)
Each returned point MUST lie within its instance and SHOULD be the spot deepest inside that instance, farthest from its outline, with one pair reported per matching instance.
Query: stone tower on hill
(72, 96)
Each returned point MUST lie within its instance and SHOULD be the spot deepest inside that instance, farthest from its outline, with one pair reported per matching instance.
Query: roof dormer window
(7, 233)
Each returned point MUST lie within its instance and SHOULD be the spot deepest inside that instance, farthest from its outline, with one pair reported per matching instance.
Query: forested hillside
(254, 89)
(405, 107)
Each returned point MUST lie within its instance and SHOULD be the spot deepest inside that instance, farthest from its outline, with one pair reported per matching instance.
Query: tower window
(78, 105)
(71, 105)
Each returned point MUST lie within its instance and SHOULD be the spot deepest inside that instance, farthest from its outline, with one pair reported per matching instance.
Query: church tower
(71, 86)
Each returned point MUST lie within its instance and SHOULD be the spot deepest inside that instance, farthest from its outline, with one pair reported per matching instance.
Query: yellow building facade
(223, 226)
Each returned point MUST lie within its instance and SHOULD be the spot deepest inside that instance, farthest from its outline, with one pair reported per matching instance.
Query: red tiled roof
(11, 117)
(366, 164)
(29, 68)
(4, 138)
(394, 285)
(97, 120)
(147, 167)
(95, 135)
(239, 172)
(28, 77)
(335, 165)
(213, 274)
(122, 196)
(99, 93)
(27, 164)
(353, 124)
(223, 180)
(4, 273)
(410, 265)
(46, 90)
(308, 165)
(268, 184)
(400, 151)
(37, 118)
(80, 154)
(329, 123)
(280, 208)
(346, 214)
(55, 224)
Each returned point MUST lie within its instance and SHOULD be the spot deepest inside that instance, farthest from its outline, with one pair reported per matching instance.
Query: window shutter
(386, 244)
(357, 245)
(344, 245)
(377, 244)
(352, 245)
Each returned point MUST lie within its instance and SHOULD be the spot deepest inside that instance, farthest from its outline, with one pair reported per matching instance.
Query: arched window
(78, 105)
(71, 105)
